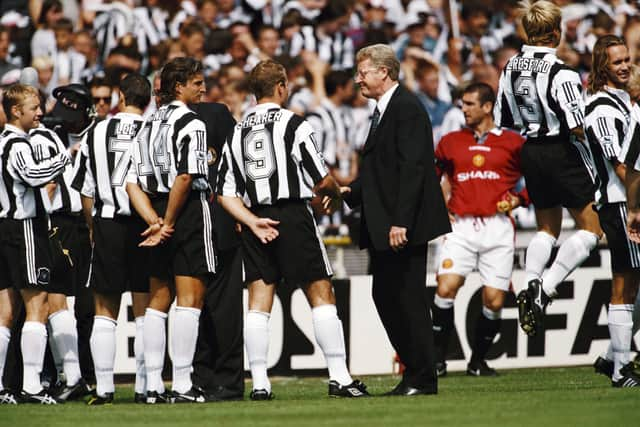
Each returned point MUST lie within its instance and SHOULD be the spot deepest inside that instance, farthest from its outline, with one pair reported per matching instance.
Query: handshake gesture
(328, 196)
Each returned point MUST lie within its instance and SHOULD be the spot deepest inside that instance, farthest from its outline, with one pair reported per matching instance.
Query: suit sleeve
(415, 154)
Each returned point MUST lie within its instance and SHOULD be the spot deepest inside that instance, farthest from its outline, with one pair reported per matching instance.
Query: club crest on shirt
(478, 160)
(43, 276)
(212, 156)
(447, 263)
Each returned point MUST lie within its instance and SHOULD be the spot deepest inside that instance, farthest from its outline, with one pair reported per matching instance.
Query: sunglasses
(97, 99)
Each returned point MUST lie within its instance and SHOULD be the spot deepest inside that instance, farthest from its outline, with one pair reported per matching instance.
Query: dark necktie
(375, 119)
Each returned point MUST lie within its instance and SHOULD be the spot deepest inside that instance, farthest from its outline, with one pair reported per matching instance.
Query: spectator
(69, 64)
(427, 81)
(43, 40)
(102, 95)
(5, 41)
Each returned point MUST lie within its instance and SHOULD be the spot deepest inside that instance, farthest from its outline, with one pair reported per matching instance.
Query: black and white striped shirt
(172, 142)
(103, 164)
(630, 151)
(335, 49)
(271, 156)
(607, 117)
(21, 175)
(539, 95)
(46, 144)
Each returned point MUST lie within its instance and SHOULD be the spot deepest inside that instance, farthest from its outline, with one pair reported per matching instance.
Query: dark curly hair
(178, 70)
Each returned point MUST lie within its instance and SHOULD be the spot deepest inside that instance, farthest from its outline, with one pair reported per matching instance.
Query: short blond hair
(381, 55)
(16, 94)
(264, 78)
(540, 20)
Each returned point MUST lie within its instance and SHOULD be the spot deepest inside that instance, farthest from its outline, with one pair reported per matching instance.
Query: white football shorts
(482, 243)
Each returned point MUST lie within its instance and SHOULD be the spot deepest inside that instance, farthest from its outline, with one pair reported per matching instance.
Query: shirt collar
(545, 49)
(15, 129)
(620, 93)
(384, 99)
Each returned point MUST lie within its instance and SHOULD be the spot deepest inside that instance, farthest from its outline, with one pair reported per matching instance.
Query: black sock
(486, 331)
(442, 327)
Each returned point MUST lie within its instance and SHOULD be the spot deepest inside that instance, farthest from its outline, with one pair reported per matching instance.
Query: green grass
(527, 397)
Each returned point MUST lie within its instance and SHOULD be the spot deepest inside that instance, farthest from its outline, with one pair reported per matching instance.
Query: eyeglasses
(363, 73)
(97, 99)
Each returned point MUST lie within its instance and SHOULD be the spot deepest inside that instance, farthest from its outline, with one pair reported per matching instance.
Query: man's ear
(16, 110)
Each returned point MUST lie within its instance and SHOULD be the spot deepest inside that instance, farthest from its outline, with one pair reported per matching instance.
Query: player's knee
(446, 289)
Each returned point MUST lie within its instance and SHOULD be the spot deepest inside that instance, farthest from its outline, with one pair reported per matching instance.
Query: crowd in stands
(442, 44)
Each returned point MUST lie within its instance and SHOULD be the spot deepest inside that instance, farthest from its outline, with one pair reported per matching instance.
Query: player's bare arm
(177, 197)
(264, 228)
(87, 210)
(632, 183)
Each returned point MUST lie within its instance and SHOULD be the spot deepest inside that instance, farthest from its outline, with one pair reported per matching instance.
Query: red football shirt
(480, 173)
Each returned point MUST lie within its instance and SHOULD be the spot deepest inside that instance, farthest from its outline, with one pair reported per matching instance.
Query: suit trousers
(218, 361)
(400, 296)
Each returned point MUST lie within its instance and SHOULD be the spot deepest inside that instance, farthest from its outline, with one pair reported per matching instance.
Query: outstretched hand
(265, 229)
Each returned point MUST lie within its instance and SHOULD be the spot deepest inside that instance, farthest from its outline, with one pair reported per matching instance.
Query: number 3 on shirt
(525, 88)
(260, 162)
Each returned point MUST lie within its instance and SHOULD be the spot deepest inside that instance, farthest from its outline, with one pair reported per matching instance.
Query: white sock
(538, 254)
(256, 339)
(5, 337)
(65, 336)
(138, 350)
(183, 346)
(620, 324)
(636, 314)
(571, 254)
(33, 345)
(155, 339)
(57, 358)
(608, 354)
(330, 338)
(442, 303)
(103, 351)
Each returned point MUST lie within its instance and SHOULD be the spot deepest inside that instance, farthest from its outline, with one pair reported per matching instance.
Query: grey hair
(381, 55)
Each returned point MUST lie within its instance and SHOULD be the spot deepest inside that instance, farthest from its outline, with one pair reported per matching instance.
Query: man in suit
(218, 362)
(402, 209)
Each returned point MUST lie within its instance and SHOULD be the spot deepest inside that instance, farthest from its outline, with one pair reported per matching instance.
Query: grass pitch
(526, 397)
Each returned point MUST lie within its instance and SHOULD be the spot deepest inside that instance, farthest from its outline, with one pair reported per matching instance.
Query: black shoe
(261, 394)
(98, 400)
(74, 392)
(532, 304)
(629, 378)
(42, 398)
(441, 369)
(355, 389)
(603, 366)
(154, 398)
(193, 395)
(7, 397)
(480, 369)
(223, 394)
(404, 390)
(139, 398)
